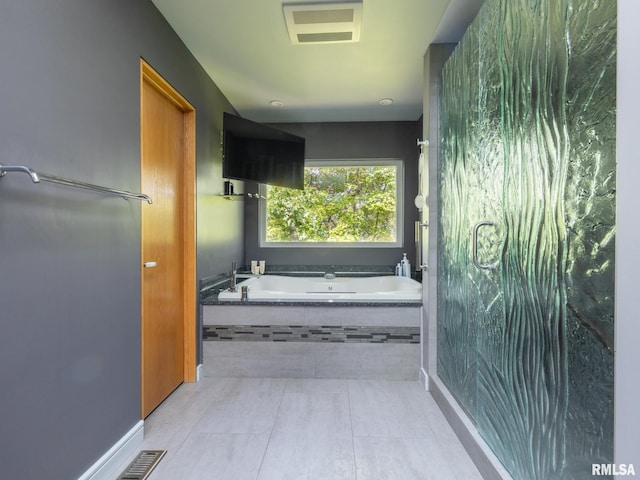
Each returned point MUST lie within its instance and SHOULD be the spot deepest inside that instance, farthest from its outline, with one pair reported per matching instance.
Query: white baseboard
(424, 377)
(199, 372)
(107, 466)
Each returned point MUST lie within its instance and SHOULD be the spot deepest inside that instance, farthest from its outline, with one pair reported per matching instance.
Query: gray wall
(627, 333)
(70, 262)
(345, 141)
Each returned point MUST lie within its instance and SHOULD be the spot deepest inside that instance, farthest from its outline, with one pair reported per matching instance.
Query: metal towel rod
(37, 177)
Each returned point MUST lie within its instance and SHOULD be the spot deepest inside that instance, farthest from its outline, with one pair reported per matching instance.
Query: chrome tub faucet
(234, 271)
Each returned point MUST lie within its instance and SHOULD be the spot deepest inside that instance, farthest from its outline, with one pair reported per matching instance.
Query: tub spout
(330, 274)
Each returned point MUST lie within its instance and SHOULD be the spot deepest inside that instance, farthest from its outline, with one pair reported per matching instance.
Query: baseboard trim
(424, 378)
(485, 460)
(106, 468)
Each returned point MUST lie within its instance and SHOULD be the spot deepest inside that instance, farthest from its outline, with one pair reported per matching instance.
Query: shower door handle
(476, 262)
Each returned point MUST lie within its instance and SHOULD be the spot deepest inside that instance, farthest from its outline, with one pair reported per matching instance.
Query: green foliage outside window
(338, 204)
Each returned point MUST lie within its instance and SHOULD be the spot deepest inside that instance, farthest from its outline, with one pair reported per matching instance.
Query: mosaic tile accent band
(306, 333)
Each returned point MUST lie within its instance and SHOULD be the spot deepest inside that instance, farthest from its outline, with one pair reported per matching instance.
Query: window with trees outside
(344, 203)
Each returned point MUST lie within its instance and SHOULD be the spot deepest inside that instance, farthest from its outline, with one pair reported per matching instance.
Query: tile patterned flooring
(315, 429)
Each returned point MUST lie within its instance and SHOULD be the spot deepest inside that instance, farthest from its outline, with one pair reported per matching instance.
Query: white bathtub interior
(364, 289)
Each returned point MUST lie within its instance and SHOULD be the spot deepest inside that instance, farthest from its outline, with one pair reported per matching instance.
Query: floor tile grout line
(188, 433)
(353, 443)
(275, 418)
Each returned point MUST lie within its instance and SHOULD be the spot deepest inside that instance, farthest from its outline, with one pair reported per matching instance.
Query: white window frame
(375, 162)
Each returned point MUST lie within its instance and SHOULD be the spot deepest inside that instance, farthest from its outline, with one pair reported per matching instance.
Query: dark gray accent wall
(70, 259)
(350, 140)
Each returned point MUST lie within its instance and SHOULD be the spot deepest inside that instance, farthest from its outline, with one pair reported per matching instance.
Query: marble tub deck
(278, 429)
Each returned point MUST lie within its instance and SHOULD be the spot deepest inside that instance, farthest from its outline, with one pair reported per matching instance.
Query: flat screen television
(255, 152)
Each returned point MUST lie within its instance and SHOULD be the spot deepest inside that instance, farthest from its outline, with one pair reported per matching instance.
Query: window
(344, 204)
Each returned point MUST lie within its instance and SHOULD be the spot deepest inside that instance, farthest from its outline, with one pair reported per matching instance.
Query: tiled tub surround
(312, 341)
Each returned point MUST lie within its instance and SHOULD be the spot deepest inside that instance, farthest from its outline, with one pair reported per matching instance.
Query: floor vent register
(142, 465)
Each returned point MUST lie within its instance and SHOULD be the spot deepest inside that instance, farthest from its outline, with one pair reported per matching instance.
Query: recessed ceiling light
(276, 103)
(386, 101)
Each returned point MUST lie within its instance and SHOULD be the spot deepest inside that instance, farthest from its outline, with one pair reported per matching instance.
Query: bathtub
(277, 288)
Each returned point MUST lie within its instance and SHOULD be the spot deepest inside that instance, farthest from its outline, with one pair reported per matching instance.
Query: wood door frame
(189, 297)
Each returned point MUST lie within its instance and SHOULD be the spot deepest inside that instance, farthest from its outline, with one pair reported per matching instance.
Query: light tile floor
(278, 429)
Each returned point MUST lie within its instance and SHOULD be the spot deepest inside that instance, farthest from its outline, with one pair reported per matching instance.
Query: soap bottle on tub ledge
(403, 268)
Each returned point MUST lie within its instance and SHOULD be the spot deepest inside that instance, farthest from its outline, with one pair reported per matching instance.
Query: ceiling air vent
(326, 22)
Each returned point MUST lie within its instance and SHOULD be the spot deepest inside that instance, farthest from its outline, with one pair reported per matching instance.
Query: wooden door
(168, 278)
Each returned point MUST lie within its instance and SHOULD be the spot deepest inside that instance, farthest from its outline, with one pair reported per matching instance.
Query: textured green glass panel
(457, 360)
(528, 145)
(590, 220)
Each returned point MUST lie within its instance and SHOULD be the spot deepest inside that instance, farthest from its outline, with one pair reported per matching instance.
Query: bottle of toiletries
(406, 266)
(398, 269)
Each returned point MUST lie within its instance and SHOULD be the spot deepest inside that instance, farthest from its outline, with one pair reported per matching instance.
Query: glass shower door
(470, 306)
(525, 253)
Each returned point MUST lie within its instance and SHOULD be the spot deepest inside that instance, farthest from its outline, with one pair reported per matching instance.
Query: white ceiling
(244, 47)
